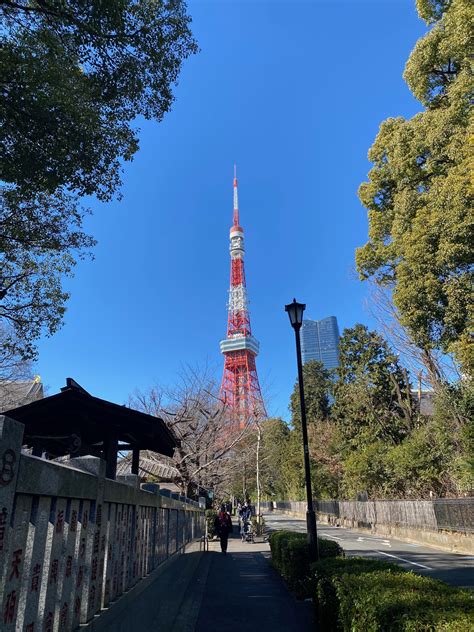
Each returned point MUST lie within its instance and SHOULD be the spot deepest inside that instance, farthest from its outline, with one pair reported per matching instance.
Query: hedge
(290, 556)
(366, 595)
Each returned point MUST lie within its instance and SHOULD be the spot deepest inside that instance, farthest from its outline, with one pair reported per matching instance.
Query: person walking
(246, 512)
(223, 526)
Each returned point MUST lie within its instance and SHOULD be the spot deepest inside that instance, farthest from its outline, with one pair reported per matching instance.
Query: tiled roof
(150, 464)
(18, 393)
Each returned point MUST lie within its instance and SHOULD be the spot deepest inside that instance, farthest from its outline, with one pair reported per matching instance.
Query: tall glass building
(320, 340)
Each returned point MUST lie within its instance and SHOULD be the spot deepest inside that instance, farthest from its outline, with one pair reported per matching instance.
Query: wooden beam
(110, 456)
(135, 461)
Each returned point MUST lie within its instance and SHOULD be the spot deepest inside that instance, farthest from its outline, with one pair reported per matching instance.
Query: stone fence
(446, 522)
(450, 514)
(72, 541)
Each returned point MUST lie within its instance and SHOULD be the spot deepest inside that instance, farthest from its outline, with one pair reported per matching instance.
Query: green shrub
(365, 595)
(290, 556)
(276, 538)
(329, 549)
(211, 515)
(323, 576)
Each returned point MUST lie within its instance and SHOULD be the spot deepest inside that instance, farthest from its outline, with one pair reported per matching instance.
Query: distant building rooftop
(426, 402)
(18, 393)
(150, 464)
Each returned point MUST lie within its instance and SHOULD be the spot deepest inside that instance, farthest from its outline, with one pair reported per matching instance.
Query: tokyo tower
(240, 387)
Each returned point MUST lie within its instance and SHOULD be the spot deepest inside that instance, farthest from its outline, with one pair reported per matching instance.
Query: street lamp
(295, 312)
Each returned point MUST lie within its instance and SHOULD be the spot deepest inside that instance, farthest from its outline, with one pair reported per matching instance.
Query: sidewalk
(241, 592)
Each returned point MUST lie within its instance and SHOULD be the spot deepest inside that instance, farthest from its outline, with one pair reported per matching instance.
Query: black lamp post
(295, 312)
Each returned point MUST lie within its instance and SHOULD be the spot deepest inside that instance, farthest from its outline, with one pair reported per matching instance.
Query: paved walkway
(241, 592)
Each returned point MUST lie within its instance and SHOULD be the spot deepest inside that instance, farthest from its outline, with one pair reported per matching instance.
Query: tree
(207, 440)
(39, 239)
(433, 367)
(325, 440)
(317, 386)
(76, 76)
(372, 392)
(418, 193)
(13, 368)
(278, 471)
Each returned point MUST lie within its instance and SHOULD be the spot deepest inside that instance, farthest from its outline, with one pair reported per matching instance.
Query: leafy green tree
(277, 459)
(372, 392)
(366, 470)
(437, 456)
(325, 442)
(76, 74)
(325, 468)
(317, 387)
(418, 192)
(38, 237)
(75, 77)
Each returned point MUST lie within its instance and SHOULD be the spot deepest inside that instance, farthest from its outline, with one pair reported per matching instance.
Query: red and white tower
(240, 387)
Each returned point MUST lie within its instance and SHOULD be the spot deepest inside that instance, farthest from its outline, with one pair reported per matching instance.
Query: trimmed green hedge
(366, 595)
(290, 556)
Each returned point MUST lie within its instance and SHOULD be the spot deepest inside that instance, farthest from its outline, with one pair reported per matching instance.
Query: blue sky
(294, 93)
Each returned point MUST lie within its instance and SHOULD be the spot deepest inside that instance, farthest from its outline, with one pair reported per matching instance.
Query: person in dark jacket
(223, 526)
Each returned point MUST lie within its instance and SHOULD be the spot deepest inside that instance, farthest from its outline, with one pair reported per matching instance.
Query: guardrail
(73, 541)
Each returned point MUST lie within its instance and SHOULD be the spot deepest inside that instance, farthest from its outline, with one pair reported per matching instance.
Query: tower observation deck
(240, 387)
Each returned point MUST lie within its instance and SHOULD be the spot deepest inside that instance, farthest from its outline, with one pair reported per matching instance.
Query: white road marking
(428, 568)
(326, 535)
(384, 542)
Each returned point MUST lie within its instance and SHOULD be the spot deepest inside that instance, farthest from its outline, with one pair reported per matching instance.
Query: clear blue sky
(294, 93)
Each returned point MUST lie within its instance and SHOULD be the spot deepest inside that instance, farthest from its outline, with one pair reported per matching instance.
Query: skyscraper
(320, 340)
(240, 387)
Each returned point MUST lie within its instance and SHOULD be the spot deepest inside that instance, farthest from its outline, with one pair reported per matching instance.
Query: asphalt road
(453, 568)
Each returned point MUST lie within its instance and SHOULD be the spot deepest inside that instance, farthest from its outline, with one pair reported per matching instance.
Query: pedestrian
(223, 526)
(239, 511)
(246, 512)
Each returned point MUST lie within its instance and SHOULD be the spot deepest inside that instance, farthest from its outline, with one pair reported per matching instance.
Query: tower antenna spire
(236, 198)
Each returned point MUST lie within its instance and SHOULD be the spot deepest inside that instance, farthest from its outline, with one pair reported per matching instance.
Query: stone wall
(72, 542)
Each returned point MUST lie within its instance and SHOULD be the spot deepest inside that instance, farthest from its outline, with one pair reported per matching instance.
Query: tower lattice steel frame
(240, 387)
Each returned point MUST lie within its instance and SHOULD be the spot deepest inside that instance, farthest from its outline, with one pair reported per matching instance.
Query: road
(453, 568)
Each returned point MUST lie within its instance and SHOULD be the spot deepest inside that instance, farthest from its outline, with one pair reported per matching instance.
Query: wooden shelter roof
(75, 422)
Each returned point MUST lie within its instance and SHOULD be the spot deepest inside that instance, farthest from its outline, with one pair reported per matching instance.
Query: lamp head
(295, 312)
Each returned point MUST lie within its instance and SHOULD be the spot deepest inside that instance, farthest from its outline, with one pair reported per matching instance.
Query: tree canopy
(76, 76)
(372, 392)
(418, 193)
(317, 386)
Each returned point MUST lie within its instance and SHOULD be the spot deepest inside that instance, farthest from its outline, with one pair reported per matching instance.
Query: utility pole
(259, 439)
(420, 377)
